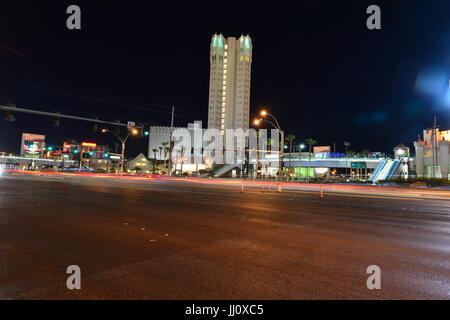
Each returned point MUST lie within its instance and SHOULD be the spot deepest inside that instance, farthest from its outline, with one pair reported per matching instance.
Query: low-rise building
(140, 164)
(432, 154)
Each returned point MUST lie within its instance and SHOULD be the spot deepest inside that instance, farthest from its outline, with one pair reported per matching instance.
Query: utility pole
(170, 141)
(334, 153)
(81, 158)
(346, 144)
(122, 141)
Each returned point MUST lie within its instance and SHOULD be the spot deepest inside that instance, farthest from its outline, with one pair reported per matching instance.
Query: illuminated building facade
(432, 154)
(229, 83)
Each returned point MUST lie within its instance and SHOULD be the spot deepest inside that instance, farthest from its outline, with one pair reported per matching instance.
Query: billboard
(326, 149)
(322, 152)
(33, 145)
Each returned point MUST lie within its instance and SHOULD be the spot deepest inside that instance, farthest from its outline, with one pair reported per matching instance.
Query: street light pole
(346, 144)
(300, 148)
(122, 162)
(122, 141)
(276, 125)
(81, 158)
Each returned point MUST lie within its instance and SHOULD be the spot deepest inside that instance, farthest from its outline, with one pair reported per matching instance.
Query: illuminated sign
(359, 165)
(322, 152)
(89, 144)
(32, 146)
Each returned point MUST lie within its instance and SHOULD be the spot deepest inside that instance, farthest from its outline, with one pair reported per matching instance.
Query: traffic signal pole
(58, 115)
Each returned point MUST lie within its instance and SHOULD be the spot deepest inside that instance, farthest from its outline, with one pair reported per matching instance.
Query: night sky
(315, 66)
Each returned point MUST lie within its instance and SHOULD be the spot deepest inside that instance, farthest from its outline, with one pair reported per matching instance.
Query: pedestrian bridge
(369, 163)
(23, 161)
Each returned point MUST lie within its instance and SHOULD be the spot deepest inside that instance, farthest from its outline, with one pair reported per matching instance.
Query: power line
(100, 97)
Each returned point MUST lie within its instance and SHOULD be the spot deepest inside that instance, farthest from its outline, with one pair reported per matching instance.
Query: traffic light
(117, 128)
(75, 151)
(9, 116)
(50, 148)
(91, 153)
(106, 155)
(145, 131)
(56, 122)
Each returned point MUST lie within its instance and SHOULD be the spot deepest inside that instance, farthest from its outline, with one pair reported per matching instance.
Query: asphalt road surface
(181, 240)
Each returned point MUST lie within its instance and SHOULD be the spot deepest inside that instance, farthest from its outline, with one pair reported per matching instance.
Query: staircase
(386, 170)
(225, 169)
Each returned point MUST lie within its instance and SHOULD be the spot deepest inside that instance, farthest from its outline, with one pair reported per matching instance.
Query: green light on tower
(247, 43)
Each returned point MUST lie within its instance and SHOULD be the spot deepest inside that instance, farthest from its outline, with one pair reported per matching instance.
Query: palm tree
(154, 158)
(290, 138)
(258, 134)
(351, 153)
(180, 156)
(270, 143)
(311, 142)
(166, 149)
(160, 153)
(365, 153)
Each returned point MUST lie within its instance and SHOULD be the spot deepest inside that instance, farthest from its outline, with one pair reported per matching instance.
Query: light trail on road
(362, 190)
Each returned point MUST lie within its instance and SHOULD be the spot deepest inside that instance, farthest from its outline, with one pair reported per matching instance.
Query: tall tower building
(229, 83)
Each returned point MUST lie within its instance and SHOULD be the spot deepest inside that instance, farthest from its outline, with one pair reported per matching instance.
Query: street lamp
(300, 148)
(133, 131)
(346, 144)
(264, 114)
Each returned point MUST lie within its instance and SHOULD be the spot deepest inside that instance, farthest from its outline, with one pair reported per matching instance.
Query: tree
(166, 149)
(365, 153)
(180, 156)
(160, 152)
(351, 153)
(258, 135)
(311, 142)
(154, 158)
(290, 138)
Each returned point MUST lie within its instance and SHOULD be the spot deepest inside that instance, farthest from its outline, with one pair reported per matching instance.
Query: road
(160, 239)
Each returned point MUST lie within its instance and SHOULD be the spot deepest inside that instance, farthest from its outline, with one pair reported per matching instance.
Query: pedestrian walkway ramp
(386, 170)
(225, 169)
